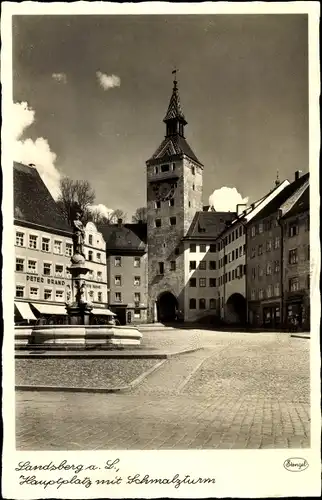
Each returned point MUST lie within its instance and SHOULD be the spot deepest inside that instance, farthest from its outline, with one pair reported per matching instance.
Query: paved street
(239, 391)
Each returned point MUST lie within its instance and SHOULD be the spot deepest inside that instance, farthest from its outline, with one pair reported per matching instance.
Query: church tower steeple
(174, 119)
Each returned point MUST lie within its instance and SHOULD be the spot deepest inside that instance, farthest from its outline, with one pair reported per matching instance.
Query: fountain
(78, 333)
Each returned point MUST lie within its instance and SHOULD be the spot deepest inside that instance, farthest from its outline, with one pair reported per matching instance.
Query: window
(173, 221)
(98, 257)
(137, 281)
(233, 274)
(292, 256)
(269, 291)
(268, 268)
(202, 282)
(192, 282)
(192, 265)
(252, 253)
(20, 239)
(33, 241)
(268, 245)
(165, 168)
(48, 294)
(117, 261)
(308, 281)
(58, 247)
(294, 284)
(137, 313)
(253, 273)
(203, 265)
(203, 248)
(212, 265)
(157, 204)
(59, 295)
(233, 236)
(157, 222)
(240, 252)
(173, 166)
(59, 270)
(212, 303)
(171, 202)
(156, 170)
(69, 249)
(172, 265)
(90, 255)
(91, 294)
(177, 251)
(229, 276)
(307, 223)
(268, 225)
(137, 297)
(260, 293)
(277, 242)
(99, 276)
(118, 280)
(161, 267)
(229, 239)
(202, 303)
(276, 289)
(240, 230)
(253, 294)
(90, 239)
(189, 204)
(192, 304)
(212, 282)
(32, 266)
(244, 250)
(276, 266)
(233, 255)
(293, 229)
(45, 244)
(20, 264)
(308, 252)
(47, 269)
(193, 247)
(193, 187)
(253, 231)
(118, 297)
(20, 291)
(91, 274)
(260, 249)
(212, 248)
(260, 227)
(33, 292)
(193, 170)
(99, 297)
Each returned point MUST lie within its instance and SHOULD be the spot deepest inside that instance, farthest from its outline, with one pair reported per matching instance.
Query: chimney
(297, 175)
(119, 222)
(253, 206)
(240, 208)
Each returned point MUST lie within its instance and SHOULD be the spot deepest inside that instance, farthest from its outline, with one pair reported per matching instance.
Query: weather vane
(174, 72)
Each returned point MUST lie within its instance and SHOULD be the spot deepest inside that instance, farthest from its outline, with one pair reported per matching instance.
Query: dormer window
(165, 168)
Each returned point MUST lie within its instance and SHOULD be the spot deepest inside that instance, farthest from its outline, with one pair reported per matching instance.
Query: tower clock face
(165, 191)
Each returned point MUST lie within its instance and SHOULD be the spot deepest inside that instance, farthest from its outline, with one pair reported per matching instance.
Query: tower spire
(174, 118)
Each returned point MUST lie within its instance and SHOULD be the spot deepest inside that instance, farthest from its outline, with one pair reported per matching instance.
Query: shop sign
(48, 281)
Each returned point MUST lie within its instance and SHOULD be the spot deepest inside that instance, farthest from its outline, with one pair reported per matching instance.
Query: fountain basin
(76, 336)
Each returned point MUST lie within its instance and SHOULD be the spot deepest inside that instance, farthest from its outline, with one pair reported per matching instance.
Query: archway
(236, 309)
(167, 307)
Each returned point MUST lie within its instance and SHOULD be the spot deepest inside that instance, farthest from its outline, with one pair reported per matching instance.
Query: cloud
(101, 210)
(36, 152)
(60, 77)
(108, 81)
(225, 199)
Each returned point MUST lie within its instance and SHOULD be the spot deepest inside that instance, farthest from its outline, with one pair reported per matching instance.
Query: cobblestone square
(238, 391)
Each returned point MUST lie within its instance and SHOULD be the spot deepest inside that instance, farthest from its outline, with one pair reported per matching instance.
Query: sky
(91, 92)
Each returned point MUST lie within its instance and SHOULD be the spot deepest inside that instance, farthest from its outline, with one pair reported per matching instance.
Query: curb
(100, 355)
(123, 388)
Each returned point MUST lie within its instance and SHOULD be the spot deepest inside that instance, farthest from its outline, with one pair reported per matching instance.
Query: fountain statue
(77, 306)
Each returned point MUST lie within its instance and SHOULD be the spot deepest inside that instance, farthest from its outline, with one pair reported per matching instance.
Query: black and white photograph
(162, 247)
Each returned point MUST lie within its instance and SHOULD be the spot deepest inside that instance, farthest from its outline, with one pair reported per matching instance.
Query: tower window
(193, 170)
(193, 187)
(173, 166)
(171, 202)
(157, 222)
(165, 168)
(177, 251)
(189, 204)
(157, 204)
(156, 170)
(172, 265)
(173, 221)
(161, 267)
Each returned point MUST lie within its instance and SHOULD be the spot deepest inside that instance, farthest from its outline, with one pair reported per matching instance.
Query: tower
(174, 194)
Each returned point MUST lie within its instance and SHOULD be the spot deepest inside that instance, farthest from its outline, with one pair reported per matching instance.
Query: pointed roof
(298, 201)
(174, 145)
(174, 108)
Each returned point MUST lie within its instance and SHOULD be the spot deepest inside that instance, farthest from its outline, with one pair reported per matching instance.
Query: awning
(24, 310)
(50, 309)
(103, 312)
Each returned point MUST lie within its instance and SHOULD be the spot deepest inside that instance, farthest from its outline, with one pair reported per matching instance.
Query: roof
(207, 225)
(174, 145)
(174, 108)
(33, 202)
(275, 204)
(124, 237)
(299, 201)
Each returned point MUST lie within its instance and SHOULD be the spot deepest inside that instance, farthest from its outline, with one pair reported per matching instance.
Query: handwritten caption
(83, 475)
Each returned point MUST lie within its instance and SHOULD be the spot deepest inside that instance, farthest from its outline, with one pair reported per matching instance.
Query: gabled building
(264, 261)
